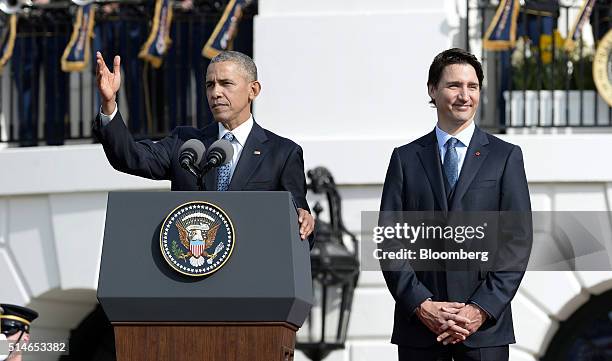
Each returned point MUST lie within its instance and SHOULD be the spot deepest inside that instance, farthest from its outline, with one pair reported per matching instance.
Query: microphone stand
(199, 173)
(200, 178)
(196, 172)
(205, 169)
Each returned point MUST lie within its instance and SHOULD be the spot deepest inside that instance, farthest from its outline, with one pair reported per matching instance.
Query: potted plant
(550, 82)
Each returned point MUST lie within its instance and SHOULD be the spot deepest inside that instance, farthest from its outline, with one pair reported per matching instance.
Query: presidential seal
(602, 68)
(197, 238)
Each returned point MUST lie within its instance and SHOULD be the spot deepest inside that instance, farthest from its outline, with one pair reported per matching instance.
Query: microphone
(191, 154)
(220, 152)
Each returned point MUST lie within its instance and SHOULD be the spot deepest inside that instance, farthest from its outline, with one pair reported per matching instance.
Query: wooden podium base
(210, 341)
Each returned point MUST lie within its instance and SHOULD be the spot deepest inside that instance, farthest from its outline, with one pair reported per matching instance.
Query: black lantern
(335, 271)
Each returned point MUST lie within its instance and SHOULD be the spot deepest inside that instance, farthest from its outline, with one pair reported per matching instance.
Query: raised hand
(108, 83)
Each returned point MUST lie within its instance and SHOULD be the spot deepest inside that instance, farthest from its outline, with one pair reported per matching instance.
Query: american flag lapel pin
(477, 153)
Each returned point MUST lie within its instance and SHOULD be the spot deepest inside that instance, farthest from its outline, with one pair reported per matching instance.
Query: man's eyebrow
(220, 80)
(458, 82)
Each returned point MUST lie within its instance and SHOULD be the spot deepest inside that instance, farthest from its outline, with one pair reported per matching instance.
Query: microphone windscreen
(224, 147)
(196, 146)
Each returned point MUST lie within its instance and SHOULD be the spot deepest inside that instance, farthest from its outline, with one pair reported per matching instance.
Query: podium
(248, 309)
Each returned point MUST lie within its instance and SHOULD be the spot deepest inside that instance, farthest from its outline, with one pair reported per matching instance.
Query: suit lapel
(474, 158)
(430, 160)
(211, 133)
(254, 151)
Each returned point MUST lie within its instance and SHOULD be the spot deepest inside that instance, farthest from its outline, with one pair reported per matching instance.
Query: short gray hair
(246, 64)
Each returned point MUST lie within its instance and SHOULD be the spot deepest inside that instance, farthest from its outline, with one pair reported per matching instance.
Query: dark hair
(449, 57)
(246, 64)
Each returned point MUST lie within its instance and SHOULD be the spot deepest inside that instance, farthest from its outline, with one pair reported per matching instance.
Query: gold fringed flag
(158, 42)
(77, 53)
(501, 33)
(581, 19)
(226, 30)
(7, 40)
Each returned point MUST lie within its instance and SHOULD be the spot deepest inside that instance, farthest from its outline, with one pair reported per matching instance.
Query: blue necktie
(224, 171)
(451, 162)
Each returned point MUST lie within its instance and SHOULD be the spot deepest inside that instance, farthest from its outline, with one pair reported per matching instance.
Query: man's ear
(254, 90)
(431, 90)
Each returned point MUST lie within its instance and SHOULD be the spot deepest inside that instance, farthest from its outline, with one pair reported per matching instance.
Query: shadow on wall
(93, 339)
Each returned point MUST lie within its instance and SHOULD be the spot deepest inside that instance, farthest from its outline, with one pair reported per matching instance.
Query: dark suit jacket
(492, 178)
(279, 166)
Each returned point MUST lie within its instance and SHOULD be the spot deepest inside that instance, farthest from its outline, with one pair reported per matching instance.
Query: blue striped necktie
(224, 171)
(451, 162)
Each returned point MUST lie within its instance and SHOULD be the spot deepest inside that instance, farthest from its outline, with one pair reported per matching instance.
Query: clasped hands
(453, 322)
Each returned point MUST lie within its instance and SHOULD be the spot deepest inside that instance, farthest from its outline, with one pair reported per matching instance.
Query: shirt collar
(464, 136)
(240, 133)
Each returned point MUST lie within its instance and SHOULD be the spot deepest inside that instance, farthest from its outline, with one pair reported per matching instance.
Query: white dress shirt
(241, 133)
(464, 137)
(105, 119)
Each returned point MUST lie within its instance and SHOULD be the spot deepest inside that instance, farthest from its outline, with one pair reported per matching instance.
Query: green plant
(551, 65)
